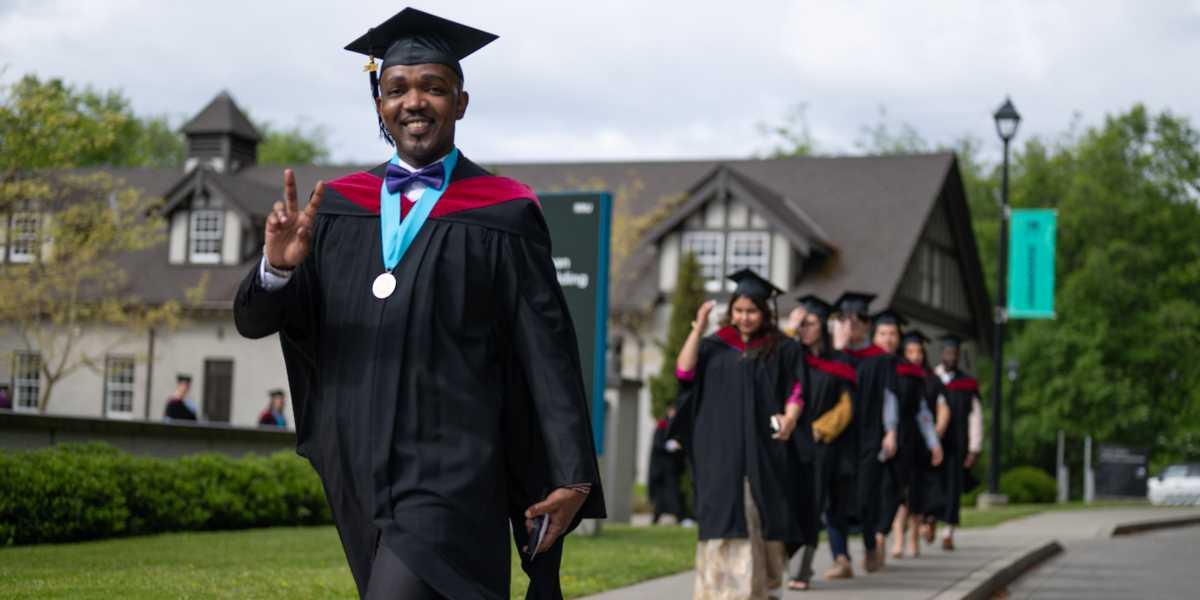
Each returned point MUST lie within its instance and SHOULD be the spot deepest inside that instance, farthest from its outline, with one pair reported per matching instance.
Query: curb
(982, 583)
(1152, 524)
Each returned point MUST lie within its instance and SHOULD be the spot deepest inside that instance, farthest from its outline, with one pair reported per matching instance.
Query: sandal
(798, 585)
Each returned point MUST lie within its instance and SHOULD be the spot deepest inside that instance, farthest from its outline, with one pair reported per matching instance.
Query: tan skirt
(741, 569)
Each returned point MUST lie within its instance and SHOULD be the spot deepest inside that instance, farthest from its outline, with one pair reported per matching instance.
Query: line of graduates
(839, 421)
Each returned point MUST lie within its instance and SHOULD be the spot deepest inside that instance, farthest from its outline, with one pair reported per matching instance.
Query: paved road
(937, 572)
(1162, 564)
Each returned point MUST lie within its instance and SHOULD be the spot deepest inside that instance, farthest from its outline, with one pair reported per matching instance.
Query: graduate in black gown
(964, 435)
(874, 436)
(917, 443)
(736, 387)
(667, 464)
(433, 366)
(850, 326)
(827, 413)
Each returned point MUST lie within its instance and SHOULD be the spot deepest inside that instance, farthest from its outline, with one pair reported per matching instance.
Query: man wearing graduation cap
(433, 365)
(740, 400)
(964, 435)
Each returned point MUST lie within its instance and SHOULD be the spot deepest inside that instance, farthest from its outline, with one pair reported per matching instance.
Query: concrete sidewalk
(981, 556)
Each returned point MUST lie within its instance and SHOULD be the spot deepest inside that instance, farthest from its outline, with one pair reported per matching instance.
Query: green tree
(49, 124)
(1117, 363)
(292, 146)
(685, 301)
(71, 227)
(792, 137)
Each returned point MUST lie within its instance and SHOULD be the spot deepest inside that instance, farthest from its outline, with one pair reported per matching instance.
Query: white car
(1178, 485)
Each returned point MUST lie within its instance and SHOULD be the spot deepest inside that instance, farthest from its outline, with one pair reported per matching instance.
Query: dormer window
(207, 227)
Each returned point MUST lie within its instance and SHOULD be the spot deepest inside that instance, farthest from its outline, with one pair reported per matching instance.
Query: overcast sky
(621, 80)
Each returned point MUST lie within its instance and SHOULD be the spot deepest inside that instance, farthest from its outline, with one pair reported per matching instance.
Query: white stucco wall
(231, 243)
(257, 367)
(177, 249)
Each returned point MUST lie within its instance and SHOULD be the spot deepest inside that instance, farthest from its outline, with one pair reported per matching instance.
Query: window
(27, 380)
(118, 386)
(748, 250)
(709, 250)
(720, 254)
(206, 232)
(24, 236)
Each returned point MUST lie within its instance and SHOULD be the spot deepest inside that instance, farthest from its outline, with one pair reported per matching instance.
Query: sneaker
(841, 569)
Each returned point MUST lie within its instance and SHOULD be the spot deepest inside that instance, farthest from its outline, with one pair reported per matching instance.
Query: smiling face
(746, 316)
(419, 105)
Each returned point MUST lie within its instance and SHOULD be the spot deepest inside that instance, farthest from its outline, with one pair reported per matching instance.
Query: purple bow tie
(398, 178)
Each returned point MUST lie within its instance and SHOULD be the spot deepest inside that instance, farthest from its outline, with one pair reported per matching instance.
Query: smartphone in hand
(541, 524)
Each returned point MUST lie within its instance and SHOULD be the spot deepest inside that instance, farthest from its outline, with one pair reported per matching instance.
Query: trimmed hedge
(73, 492)
(1022, 485)
(1028, 485)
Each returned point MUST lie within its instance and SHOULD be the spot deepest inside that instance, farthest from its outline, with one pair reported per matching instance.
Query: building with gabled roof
(895, 226)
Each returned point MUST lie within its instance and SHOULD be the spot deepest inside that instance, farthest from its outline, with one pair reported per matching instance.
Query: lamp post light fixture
(1007, 120)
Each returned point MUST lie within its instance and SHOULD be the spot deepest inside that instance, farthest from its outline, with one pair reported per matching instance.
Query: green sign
(579, 236)
(1031, 263)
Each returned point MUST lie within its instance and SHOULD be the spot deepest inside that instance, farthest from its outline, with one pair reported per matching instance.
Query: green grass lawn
(302, 562)
(307, 562)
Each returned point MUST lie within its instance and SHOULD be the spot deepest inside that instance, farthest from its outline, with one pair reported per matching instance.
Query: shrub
(85, 491)
(1026, 485)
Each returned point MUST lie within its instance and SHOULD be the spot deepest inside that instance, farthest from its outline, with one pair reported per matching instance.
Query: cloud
(630, 80)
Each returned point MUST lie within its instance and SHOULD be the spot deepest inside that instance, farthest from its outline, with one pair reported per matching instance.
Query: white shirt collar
(401, 162)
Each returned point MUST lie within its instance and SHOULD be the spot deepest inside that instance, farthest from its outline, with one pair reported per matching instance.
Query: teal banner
(579, 235)
(1031, 263)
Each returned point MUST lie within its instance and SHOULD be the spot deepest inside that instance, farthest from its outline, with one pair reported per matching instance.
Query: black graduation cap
(916, 335)
(951, 340)
(888, 316)
(854, 303)
(816, 306)
(752, 285)
(414, 37)
(275, 392)
(183, 378)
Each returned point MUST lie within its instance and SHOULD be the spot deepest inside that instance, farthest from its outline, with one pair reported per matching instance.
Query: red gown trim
(465, 194)
(833, 367)
(963, 384)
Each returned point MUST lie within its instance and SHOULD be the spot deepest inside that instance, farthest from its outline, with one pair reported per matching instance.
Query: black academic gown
(929, 499)
(178, 410)
(901, 471)
(826, 380)
(961, 390)
(875, 371)
(723, 421)
(436, 415)
(666, 470)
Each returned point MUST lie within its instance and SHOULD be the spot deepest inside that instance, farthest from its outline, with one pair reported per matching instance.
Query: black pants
(892, 495)
(391, 579)
(870, 481)
(544, 583)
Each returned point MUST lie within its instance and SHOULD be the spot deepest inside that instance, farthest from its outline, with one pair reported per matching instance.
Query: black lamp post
(1007, 120)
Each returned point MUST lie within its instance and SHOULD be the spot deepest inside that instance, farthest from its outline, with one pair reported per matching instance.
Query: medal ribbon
(398, 234)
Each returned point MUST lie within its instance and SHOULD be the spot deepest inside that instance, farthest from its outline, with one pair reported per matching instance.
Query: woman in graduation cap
(739, 403)
(433, 365)
(827, 413)
(917, 442)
